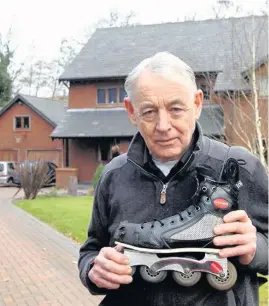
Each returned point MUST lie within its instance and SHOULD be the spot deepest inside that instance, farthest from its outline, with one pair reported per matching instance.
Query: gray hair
(164, 64)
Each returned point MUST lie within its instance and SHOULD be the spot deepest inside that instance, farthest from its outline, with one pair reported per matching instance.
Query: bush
(33, 176)
(97, 174)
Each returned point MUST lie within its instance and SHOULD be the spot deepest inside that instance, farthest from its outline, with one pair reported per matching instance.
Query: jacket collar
(138, 151)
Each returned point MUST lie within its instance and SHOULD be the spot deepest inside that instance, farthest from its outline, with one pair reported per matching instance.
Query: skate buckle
(220, 203)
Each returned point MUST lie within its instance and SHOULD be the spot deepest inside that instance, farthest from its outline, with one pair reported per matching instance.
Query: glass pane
(18, 122)
(206, 92)
(263, 86)
(112, 95)
(123, 94)
(101, 96)
(26, 123)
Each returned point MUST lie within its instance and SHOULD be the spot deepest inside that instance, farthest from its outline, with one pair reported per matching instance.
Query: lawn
(71, 217)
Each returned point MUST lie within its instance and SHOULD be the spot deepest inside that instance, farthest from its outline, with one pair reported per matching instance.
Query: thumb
(119, 248)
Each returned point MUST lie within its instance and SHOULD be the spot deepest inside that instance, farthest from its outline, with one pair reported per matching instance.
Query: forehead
(155, 89)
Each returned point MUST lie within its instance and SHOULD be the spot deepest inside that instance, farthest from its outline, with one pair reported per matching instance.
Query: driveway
(38, 265)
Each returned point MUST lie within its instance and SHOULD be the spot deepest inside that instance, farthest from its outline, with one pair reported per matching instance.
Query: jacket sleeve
(254, 200)
(97, 239)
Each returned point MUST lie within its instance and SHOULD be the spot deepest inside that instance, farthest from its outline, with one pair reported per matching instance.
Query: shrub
(33, 177)
(97, 174)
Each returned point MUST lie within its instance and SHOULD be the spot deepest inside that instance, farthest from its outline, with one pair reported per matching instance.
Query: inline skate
(180, 243)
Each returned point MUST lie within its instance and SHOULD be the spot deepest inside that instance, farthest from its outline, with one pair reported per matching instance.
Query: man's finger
(112, 277)
(238, 251)
(236, 239)
(112, 254)
(114, 267)
(119, 248)
(102, 283)
(234, 227)
(237, 215)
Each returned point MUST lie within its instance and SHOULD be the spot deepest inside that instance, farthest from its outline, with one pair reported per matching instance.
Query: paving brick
(43, 268)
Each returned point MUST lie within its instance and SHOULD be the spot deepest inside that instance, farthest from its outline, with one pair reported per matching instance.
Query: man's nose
(163, 121)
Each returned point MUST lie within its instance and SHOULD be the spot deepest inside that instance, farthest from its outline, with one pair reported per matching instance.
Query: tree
(69, 48)
(246, 110)
(115, 19)
(5, 80)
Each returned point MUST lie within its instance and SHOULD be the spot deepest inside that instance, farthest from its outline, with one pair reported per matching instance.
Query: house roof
(258, 63)
(115, 123)
(222, 45)
(50, 110)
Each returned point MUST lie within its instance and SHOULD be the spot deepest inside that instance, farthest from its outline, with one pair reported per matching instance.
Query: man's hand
(111, 269)
(243, 236)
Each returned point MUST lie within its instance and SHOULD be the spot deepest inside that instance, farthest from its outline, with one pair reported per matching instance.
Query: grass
(71, 217)
(264, 295)
(68, 215)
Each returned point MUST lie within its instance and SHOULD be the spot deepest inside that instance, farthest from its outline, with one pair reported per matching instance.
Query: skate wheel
(152, 277)
(226, 283)
(186, 280)
(133, 270)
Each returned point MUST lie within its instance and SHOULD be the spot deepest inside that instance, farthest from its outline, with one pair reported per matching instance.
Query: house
(218, 51)
(26, 123)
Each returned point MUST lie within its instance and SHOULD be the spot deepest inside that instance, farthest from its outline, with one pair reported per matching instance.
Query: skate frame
(211, 263)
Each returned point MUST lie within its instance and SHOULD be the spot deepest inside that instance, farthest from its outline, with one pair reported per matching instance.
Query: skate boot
(180, 233)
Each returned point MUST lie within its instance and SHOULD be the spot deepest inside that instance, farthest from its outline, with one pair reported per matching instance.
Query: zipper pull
(163, 194)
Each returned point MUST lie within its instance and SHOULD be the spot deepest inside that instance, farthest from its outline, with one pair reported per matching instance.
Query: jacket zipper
(164, 189)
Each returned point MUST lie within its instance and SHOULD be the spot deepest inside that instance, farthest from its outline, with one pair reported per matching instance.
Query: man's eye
(147, 113)
(176, 110)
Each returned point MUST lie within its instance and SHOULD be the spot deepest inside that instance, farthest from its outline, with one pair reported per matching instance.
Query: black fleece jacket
(127, 190)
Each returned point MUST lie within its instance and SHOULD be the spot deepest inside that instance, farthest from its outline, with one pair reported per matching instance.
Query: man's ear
(198, 101)
(130, 110)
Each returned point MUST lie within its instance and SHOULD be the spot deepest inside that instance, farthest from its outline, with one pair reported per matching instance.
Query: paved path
(38, 266)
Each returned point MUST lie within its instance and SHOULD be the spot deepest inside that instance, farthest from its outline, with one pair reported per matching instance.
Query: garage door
(9, 155)
(48, 155)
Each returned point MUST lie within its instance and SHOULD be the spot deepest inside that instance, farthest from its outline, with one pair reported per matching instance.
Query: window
(263, 86)
(11, 166)
(18, 124)
(206, 91)
(26, 123)
(112, 95)
(101, 96)
(123, 94)
(22, 122)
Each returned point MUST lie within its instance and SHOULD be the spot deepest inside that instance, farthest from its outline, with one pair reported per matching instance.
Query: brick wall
(84, 159)
(38, 137)
(85, 95)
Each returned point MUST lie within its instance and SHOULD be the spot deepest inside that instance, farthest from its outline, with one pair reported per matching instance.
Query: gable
(50, 110)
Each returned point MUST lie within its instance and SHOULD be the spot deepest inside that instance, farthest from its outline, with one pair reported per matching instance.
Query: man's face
(165, 113)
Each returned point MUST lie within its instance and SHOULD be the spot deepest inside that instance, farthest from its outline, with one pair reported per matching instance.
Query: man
(164, 103)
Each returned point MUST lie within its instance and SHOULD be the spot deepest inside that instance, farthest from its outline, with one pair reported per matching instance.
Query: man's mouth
(166, 142)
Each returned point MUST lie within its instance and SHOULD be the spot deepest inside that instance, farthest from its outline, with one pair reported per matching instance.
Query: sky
(39, 26)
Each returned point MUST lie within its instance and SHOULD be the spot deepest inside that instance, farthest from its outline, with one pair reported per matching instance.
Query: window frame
(22, 123)
(263, 85)
(107, 88)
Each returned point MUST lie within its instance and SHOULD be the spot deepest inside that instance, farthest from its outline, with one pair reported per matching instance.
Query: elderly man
(152, 181)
